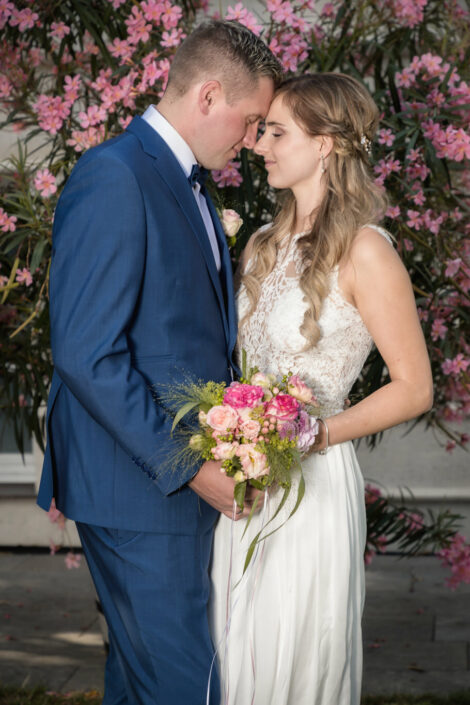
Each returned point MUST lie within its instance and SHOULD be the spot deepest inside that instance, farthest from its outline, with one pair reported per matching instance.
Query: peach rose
(225, 451)
(222, 417)
(250, 429)
(298, 389)
(253, 462)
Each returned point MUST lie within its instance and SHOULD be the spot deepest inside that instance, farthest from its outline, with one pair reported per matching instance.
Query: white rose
(231, 222)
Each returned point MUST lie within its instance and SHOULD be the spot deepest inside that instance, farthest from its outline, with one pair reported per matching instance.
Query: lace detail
(272, 338)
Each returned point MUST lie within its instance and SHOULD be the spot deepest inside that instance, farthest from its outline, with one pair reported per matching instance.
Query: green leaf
(239, 493)
(185, 409)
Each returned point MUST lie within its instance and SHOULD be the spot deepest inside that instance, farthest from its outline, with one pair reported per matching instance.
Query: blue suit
(136, 301)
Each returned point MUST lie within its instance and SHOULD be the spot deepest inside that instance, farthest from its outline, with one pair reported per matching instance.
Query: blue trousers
(154, 590)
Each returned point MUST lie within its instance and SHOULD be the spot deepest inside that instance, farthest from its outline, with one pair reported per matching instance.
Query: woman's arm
(380, 288)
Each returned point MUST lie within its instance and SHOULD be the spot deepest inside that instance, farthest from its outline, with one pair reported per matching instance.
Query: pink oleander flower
(7, 222)
(24, 19)
(283, 406)
(456, 365)
(72, 85)
(121, 48)
(438, 329)
(5, 87)
(250, 429)
(414, 219)
(23, 276)
(243, 395)
(55, 516)
(137, 28)
(409, 246)
(93, 116)
(171, 15)
(393, 212)
(409, 12)
(328, 10)
(254, 463)
(59, 30)
(225, 451)
(152, 10)
(53, 547)
(72, 560)
(307, 431)
(88, 138)
(243, 16)
(386, 137)
(299, 390)
(117, 3)
(453, 266)
(222, 417)
(229, 176)
(457, 557)
(173, 38)
(45, 183)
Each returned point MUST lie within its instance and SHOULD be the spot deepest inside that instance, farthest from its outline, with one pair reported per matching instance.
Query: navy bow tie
(199, 174)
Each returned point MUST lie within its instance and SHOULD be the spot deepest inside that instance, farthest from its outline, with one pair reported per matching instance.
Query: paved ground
(416, 632)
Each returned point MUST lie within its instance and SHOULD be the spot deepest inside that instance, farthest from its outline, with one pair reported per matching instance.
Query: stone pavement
(416, 632)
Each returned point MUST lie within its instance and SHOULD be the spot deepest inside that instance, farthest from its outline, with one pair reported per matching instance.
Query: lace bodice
(273, 342)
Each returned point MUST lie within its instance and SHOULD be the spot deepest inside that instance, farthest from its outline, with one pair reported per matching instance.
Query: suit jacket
(136, 301)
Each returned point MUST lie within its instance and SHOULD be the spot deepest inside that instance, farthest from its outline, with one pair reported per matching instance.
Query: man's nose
(249, 139)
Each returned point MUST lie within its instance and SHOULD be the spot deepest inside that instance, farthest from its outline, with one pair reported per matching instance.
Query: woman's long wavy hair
(339, 106)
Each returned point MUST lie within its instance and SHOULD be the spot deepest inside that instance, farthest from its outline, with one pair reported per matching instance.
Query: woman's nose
(259, 147)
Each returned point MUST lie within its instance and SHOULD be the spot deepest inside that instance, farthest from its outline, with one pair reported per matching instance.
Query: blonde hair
(339, 106)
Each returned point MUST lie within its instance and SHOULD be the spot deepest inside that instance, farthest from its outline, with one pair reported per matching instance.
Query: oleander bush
(74, 72)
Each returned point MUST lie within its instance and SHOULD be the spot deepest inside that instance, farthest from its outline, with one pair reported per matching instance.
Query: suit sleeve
(99, 249)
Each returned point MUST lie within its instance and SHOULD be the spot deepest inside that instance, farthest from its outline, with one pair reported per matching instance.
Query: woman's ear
(326, 145)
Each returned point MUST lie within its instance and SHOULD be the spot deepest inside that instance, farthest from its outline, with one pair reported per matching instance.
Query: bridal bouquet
(258, 427)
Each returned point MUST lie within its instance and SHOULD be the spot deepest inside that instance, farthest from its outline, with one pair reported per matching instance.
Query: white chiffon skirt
(295, 617)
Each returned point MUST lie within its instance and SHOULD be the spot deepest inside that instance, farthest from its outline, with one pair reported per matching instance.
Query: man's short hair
(224, 50)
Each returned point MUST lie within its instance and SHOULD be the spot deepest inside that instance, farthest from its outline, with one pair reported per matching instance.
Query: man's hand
(215, 488)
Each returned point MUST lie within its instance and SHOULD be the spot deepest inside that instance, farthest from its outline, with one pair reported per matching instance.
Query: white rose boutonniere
(231, 223)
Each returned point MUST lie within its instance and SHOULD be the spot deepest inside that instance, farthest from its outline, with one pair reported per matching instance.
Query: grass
(39, 696)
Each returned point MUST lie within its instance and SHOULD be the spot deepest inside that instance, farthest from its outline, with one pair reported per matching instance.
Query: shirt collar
(173, 139)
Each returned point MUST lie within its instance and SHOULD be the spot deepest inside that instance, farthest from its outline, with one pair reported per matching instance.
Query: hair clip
(366, 143)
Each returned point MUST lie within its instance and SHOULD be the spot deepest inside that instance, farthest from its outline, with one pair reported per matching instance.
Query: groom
(140, 295)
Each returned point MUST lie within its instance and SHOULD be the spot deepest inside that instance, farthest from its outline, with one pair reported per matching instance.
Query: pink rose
(239, 395)
(222, 418)
(283, 407)
(225, 451)
(250, 429)
(253, 462)
(298, 389)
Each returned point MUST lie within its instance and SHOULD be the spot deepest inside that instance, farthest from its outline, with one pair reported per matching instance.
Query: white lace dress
(295, 630)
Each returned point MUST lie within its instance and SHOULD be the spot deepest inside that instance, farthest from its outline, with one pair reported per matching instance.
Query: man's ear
(209, 93)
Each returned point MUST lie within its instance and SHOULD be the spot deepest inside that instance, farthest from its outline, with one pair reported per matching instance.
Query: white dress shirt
(186, 159)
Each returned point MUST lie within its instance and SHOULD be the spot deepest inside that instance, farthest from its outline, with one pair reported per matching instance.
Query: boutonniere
(231, 223)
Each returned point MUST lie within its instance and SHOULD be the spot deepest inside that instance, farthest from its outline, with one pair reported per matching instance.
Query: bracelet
(326, 448)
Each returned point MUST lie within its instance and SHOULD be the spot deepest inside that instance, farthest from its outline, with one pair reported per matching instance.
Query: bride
(318, 286)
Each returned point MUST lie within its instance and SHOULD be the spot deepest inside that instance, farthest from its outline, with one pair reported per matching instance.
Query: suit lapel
(170, 171)
(226, 274)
